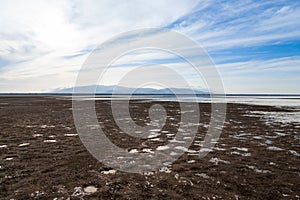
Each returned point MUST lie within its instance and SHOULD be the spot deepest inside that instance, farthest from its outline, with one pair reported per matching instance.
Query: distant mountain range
(110, 89)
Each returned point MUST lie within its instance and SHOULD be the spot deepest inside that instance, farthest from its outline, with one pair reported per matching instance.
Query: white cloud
(36, 35)
(45, 42)
(243, 23)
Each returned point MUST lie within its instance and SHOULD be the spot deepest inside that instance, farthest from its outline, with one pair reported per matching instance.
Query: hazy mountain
(125, 90)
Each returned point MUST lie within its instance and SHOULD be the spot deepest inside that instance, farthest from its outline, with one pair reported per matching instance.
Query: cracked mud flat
(42, 157)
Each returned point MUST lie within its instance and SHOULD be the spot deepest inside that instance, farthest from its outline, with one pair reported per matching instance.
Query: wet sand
(42, 157)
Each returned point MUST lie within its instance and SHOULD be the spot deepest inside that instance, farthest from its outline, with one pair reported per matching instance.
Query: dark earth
(42, 157)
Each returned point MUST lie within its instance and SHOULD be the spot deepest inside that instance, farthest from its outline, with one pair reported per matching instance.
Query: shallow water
(267, 100)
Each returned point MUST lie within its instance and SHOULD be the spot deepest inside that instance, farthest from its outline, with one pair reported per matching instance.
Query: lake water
(268, 100)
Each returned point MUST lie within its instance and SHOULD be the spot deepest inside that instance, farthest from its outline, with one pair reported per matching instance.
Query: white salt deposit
(167, 163)
(37, 135)
(111, 171)
(219, 149)
(70, 134)
(281, 134)
(68, 128)
(156, 139)
(239, 137)
(257, 137)
(192, 152)
(49, 141)
(268, 142)
(24, 144)
(202, 175)
(162, 148)
(181, 148)
(273, 116)
(191, 161)
(46, 126)
(205, 150)
(146, 150)
(37, 194)
(90, 189)
(154, 130)
(30, 126)
(240, 154)
(148, 173)
(258, 170)
(216, 161)
(271, 136)
(294, 153)
(174, 153)
(165, 170)
(273, 148)
(177, 141)
(240, 149)
(133, 151)
(153, 135)
(78, 192)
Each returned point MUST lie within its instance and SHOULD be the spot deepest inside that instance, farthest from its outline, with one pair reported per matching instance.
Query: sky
(255, 45)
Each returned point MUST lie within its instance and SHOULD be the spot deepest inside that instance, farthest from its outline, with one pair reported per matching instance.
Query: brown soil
(247, 169)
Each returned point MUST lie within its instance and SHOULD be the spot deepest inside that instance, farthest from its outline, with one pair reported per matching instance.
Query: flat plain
(42, 156)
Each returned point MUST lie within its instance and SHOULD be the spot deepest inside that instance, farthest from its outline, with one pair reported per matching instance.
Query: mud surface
(42, 157)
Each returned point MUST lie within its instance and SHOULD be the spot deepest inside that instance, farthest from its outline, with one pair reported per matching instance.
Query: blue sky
(255, 45)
